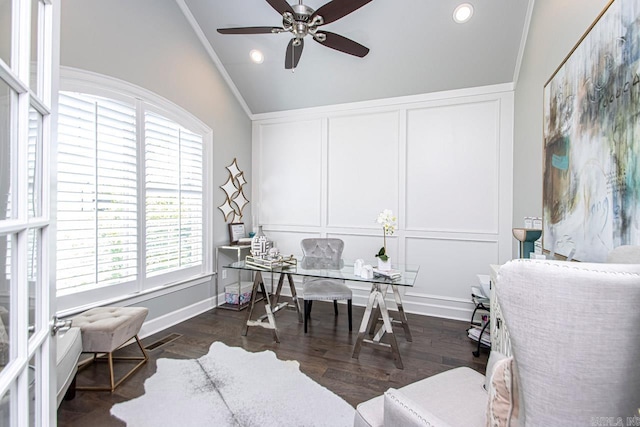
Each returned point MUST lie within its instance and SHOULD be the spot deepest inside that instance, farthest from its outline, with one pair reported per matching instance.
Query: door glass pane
(5, 31)
(5, 409)
(35, 364)
(5, 149)
(33, 253)
(5, 292)
(5, 406)
(34, 163)
(35, 60)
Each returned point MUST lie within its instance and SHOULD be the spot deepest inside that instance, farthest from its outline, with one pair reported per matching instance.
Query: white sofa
(575, 337)
(69, 347)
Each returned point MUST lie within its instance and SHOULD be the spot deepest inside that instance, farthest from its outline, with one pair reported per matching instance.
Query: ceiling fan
(301, 20)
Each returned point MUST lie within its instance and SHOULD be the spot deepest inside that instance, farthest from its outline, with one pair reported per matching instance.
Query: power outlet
(224, 274)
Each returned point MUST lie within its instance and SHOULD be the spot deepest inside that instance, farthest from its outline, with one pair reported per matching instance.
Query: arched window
(130, 191)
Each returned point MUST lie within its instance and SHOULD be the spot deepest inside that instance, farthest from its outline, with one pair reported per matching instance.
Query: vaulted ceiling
(415, 48)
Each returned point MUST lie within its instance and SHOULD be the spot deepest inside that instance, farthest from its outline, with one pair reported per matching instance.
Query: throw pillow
(503, 405)
(494, 358)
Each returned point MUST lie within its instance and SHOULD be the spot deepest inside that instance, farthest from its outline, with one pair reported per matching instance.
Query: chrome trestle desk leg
(403, 317)
(270, 309)
(294, 296)
(376, 301)
(271, 324)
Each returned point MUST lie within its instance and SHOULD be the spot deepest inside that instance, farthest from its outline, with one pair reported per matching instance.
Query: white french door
(27, 291)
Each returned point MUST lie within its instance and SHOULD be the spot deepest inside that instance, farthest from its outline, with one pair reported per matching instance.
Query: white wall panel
(452, 168)
(363, 167)
(448, 268)
(290, 173)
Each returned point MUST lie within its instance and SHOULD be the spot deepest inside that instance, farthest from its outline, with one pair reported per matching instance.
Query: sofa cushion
(370, 413)
(400, 410)
(456, 397)
(68, 349)
(503, 402)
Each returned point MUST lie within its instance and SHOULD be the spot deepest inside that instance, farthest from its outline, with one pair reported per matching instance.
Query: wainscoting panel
(442, 164)
(452, 167)
(363, 161)
(290, 173)
(448, 267)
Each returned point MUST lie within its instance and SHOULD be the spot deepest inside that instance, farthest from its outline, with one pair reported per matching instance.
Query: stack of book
(391, 274)
(474, 334)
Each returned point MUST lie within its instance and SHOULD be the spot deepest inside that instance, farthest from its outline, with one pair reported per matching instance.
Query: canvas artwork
(591, 186)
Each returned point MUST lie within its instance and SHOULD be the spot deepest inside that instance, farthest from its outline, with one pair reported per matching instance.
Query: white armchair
(576, 352)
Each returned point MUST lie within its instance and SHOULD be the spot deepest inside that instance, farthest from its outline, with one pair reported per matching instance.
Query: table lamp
(526, 237)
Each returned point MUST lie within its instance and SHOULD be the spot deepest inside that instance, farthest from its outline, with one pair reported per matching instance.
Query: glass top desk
(375, 310)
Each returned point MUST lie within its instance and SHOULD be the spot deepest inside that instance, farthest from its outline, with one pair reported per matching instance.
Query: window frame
(76, 80)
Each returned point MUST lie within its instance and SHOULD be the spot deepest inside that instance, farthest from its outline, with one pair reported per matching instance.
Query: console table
(375, 311)
(237, 252)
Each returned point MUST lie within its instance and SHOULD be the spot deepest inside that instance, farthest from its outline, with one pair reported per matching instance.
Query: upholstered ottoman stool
(106, 329)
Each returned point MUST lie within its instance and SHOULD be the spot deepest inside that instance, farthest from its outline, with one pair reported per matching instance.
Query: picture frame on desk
(236, 232)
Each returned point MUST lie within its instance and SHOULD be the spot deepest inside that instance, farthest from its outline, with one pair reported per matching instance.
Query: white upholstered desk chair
(625, 254)
(570, 368)
(323, 254)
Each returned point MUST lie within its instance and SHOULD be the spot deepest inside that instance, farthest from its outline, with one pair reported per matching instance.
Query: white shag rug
(233, 387)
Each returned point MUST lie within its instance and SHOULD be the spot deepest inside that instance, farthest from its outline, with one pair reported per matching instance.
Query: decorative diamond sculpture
(235, 200)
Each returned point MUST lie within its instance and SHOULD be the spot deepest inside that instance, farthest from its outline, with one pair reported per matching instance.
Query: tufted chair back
(322, 253)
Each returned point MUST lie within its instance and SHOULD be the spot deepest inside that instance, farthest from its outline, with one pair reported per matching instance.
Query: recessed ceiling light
(463, 13)
(256, 56)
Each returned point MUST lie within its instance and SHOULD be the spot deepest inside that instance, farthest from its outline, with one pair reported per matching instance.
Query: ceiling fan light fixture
(256, 56)
(463, 13)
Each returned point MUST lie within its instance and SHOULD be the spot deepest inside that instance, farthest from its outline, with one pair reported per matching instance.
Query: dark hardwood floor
(324, 354)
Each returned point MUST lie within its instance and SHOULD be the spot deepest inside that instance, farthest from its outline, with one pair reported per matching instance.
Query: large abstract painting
(591, 187)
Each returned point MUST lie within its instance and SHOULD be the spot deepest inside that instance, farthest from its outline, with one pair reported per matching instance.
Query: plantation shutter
(97, 192)
(173, 189)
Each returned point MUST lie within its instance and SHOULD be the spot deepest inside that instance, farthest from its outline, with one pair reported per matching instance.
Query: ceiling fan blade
(281, 6)
(250, 30)
(336, 9)
(293, 54)
(343, 44)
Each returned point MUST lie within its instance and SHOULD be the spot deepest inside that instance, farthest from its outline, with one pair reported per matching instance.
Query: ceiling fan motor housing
(302, 12)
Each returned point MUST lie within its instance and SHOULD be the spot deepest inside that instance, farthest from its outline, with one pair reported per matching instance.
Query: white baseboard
(170, 319)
